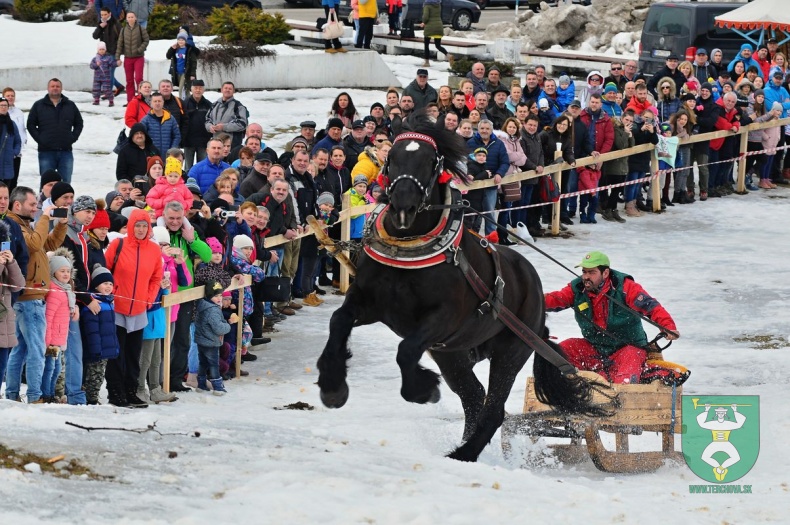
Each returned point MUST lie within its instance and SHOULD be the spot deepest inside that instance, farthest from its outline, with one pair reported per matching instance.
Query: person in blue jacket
(745, 55)
(497, 161)
(207, 170)
(99, 336)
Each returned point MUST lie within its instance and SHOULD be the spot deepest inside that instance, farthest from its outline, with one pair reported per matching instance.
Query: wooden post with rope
(555, 208)
(345, 235)
(656, 186)
(740, 186)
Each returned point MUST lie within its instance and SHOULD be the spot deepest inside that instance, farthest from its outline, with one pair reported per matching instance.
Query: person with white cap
(609, 306)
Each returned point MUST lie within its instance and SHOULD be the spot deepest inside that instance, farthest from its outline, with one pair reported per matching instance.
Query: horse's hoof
(435, 396)
(335, 399)
(431, 396)
(459, 455)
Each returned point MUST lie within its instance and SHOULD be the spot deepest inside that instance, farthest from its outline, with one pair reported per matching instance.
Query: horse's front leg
(418, 385)
(332, 366)
(507, 359)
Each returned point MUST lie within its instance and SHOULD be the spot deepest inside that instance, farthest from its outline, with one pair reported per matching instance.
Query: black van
(681, 28)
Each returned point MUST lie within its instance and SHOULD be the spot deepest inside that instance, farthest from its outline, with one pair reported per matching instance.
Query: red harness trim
(417, 262)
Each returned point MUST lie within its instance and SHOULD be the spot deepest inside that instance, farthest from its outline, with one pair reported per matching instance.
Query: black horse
(433, 307)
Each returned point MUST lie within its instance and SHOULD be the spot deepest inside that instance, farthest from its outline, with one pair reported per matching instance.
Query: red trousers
(133, 67)
(623, 366)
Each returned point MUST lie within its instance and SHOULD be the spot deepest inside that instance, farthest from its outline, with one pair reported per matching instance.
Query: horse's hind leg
(507, 360)
(418, 385)
(332, 363)
(457, 373)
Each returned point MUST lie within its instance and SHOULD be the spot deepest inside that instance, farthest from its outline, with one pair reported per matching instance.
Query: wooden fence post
(345, 236)
(741, 184)
(656, 186)
(555, 208)
(239, 330)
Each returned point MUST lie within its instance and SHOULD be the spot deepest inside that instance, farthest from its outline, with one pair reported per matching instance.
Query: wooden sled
(642, 408)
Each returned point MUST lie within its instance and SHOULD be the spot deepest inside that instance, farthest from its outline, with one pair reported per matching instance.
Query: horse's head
(421, 159)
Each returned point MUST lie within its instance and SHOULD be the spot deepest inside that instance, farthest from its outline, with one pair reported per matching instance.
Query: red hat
(101, 220)
(156, 159)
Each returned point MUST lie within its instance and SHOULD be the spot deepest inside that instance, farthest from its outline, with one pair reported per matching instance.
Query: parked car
(681, 28)
(205, 6)
(6, 6)
(460, 14)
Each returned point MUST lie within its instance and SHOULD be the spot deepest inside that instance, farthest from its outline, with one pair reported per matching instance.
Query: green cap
(594, 260)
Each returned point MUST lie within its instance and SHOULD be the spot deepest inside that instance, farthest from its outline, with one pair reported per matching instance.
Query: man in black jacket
(530, 143)
(669, 70)
(55, 123)
(195, 138)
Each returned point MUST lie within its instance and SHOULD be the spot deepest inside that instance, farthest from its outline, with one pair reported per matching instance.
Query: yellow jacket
(368, 10)
(367, 164)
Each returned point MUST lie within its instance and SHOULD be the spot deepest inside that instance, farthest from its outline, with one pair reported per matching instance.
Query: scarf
(69, 293)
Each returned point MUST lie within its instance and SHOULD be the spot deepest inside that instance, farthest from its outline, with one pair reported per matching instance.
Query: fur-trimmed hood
(673, 88)
(65, 253)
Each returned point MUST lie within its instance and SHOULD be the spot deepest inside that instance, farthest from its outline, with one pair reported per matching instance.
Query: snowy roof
(759, 14)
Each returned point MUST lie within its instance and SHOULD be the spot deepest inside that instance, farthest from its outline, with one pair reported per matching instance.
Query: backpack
(548, 190)
(407, 29)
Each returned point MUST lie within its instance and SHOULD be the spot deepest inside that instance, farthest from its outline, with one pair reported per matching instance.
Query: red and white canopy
(759, 14)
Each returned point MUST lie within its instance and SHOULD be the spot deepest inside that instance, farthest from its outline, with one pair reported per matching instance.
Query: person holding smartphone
(29, 307)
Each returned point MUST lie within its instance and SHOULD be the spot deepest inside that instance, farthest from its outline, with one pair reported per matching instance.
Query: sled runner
(641, 408)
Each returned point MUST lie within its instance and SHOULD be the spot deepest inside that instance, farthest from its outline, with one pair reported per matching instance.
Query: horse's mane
(450, 144)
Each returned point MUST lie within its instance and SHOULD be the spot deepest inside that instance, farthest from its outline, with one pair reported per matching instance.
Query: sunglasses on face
(616, 69)
(664, 87)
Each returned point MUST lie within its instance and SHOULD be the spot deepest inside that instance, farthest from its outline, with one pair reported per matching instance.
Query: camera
(59, 213)
(225, 214)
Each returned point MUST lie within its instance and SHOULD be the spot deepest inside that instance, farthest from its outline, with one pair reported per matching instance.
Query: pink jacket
(163, 192)
(58, 316)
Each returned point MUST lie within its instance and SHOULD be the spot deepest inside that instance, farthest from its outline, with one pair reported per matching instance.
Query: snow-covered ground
(719, 267)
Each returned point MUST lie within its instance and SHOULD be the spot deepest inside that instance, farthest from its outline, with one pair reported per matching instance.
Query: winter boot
(426, 64)
(142, 395)
(191, 380)
(630, 209)
(616, 216)
(218, 386)
(95, 101)
(677, 198)
(136, 400)
(202, 385)
(607, 215)
(160, 396)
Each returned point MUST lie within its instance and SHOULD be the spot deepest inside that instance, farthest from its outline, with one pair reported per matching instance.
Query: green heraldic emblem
(721, 436)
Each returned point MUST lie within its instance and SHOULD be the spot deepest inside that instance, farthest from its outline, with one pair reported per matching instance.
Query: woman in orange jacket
(136, 264)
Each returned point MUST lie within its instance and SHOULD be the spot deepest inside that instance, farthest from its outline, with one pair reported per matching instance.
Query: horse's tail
(567, 394)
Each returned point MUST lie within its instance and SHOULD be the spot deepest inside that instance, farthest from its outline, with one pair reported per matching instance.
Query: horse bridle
(438, 168)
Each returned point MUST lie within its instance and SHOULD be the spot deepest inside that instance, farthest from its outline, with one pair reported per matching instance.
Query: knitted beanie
(161, 235)
(101, 220)
(326, 198)
(83, 202)
(212, 289)
(100, 275)
(50, 176)
(242, 241)
(182, 35)
(56, 262)
(173, 166)
(215, 245)
(59, 190)
(156, 159)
